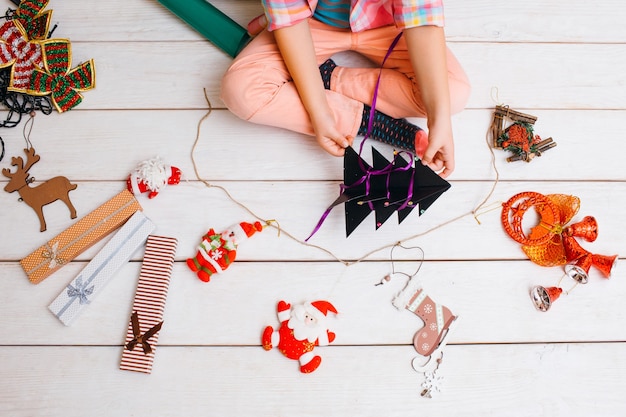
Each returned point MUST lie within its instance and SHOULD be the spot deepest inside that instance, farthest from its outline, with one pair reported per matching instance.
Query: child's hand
(328, 137)
(439, 156)
(296, 47)
(335, 147)
(257, 25)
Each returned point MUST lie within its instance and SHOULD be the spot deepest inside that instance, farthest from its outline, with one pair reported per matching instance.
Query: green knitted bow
(58, 80)
(33, 19)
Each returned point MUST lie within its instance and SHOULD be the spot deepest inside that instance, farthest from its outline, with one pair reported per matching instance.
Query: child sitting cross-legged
(285, 76)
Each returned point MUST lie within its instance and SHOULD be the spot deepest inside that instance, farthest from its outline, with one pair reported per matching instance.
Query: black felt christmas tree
(384, 188)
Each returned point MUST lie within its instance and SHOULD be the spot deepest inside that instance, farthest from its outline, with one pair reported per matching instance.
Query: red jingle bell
(605, 264)
(573, 250)
(579, 269)
(586, 229)
(543, 298)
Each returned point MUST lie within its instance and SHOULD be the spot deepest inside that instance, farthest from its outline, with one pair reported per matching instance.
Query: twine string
(274, 224)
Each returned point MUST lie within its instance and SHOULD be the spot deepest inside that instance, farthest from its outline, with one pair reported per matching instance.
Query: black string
(2, 151)
(52, 30)
(19, 103)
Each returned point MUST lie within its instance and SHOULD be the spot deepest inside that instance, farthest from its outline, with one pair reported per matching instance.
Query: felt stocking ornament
(437, 318)
(218, 250)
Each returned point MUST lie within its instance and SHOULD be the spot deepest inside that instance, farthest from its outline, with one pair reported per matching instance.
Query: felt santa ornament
(152, 176)
(302, 327)
(218, 250)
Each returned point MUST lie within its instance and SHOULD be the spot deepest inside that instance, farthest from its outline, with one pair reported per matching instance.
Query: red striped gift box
(149, 304)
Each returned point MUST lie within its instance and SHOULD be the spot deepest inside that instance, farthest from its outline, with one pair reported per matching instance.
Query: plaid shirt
(364, 14)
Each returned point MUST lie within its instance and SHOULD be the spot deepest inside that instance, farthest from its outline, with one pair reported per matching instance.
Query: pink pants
(257, 87)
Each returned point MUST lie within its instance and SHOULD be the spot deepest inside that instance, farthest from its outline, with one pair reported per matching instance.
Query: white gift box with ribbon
(92, 279)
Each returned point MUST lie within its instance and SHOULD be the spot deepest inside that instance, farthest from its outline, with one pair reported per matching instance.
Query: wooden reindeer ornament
(54, 189)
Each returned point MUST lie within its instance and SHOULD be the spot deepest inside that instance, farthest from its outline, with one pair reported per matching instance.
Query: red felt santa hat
(322, 307)
(250, 228)
(244, 230)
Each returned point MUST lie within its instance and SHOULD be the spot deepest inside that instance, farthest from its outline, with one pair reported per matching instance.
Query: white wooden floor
(562, 61)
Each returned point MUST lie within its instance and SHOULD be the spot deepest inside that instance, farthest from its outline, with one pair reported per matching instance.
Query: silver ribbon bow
(80, 290)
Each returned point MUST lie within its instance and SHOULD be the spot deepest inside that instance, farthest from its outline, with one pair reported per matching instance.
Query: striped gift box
(149, 304)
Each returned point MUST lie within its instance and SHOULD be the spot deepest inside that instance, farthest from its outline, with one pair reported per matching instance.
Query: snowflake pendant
(432, 384)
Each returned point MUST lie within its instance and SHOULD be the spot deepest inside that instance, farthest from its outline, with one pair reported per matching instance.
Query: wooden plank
(139, 20)
(557, 61)
(534, 21)
(481, 21)
(491, 299)
(447, 231)
(173, 75)
(515, 380)
(88, 151)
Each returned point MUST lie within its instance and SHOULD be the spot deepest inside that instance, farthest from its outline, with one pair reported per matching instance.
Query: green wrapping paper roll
(211, 23)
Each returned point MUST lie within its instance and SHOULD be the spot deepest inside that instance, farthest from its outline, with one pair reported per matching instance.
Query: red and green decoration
(19, 53)
(59, 79)
(40, 66)
(520, 139)
(31, 16)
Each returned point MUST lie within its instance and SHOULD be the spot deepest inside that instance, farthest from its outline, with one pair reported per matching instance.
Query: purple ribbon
(369, 172)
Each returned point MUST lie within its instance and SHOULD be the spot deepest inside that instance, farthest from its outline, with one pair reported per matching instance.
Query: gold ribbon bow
(52, 253)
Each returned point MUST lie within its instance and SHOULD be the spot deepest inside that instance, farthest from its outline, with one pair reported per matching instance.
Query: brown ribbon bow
(141, 338)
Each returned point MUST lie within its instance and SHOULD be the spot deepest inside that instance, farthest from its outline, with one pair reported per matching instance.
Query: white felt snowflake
(432, 383)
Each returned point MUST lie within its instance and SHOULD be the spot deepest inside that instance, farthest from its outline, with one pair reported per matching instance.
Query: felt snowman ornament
(302, 327)
(218, 250)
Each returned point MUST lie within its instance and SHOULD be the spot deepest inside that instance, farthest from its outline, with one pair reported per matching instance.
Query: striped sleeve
(412, 13)
(284, 13)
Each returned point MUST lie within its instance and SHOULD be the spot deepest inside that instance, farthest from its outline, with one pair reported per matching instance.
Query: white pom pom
(154, 173)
